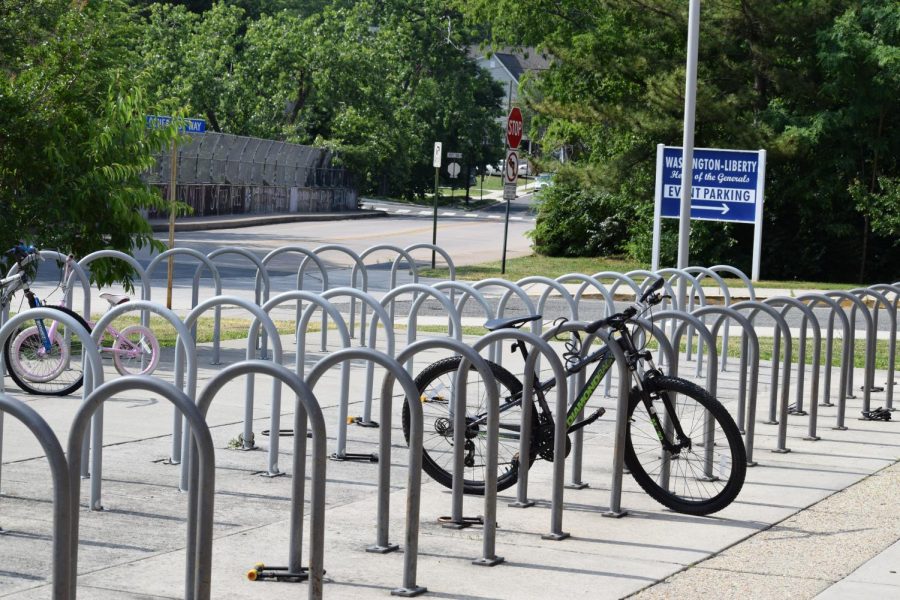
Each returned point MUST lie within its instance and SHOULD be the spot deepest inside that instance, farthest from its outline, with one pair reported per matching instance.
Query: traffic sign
(453, 170)
(725, 185)
(514, 128)
(511, 167)
(190, 125)
(454, 155)
(437, 155)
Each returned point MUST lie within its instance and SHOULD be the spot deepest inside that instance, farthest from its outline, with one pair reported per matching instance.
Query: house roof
(517, 62)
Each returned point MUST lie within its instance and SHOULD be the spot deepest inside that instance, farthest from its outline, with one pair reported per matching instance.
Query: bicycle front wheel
(700, 479)
(38, 370)
(435, 384)
(135, 351)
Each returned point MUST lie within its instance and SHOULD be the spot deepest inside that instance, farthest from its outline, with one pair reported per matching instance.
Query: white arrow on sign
(722, 209)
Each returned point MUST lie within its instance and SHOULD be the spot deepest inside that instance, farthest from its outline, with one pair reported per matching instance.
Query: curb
(252, 221)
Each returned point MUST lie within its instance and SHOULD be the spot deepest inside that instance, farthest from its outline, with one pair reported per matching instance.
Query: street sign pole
(437, 171)
(657, 210)
(436, 163)
(757, 226)
(173, 179)
(505, 235)
(690, 107)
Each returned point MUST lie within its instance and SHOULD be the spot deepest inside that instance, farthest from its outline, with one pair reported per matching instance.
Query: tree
(73, 142)
(815, 83)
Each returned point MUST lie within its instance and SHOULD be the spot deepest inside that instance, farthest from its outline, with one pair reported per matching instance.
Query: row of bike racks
(191, 430)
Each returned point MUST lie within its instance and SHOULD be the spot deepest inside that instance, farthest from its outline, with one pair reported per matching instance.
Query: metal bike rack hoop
(411, 554)
(63, 579)
(306, 408)
(184, 340)
(197, 571)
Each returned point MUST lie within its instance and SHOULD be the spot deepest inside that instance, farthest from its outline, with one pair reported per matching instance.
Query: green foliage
(377, 82)
(814, 83)
(73, 142)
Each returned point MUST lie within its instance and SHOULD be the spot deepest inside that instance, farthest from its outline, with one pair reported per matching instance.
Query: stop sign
(514, 128)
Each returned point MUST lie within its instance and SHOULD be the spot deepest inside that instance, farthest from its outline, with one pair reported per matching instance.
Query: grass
(547, 266)
(554, 266)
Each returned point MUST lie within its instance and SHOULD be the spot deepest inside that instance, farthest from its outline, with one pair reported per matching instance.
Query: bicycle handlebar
(647, 299)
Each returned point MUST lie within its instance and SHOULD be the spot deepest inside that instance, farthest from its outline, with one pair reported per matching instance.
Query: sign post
(436, 161)
(727, 185)
(190, 126)
(514, 130)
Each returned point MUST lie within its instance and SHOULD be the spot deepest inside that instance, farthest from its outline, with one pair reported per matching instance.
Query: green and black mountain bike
(682, 446)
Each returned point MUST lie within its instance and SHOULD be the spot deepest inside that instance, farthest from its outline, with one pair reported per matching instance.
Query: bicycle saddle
(115, 299)
(495, 324)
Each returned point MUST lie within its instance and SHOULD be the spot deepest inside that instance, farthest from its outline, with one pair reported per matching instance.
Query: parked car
(525, 169)
(543, 180)
(496, 169)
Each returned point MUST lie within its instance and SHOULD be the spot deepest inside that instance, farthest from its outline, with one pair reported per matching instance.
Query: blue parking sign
(727, 185)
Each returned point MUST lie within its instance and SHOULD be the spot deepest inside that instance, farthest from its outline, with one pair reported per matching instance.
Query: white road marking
(403, 210)
(470, 215)
(448, 214)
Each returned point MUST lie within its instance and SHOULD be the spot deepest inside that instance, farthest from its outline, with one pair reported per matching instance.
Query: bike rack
(413, 497)
(259, 299)
(726, 295)
(539, 347)
(780, 324)
(469, 357)
(536, 326)
(316, 301)
(412, 322)
(260, 316)
(801, 366)
(696, 290)
(401, 253)
(746, 412)
(323, 270)
(892, 343)
(93, 375)
(618, 460)
(195, 290)
(63, 578)
(197, 571)
(872, 341)
(188, 357)
(648, 275)
(689, 320)
(870, 358)
(812, 300)
(365, 286)
(444, 254)
(455, 286)
(306, 408)
(382, 315)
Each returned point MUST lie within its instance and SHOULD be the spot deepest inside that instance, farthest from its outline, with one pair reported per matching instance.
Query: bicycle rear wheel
(39, 371)
(435, 384)
(693, 480)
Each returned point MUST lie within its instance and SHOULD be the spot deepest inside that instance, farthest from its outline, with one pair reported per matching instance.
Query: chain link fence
(221, 174)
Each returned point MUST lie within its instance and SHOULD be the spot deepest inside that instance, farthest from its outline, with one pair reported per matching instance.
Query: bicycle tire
(695, 487)
(69, 380)
(131, 365)
(437, 457)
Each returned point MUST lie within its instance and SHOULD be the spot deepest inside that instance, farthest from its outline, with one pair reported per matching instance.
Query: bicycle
(38, 356)
(692, 462)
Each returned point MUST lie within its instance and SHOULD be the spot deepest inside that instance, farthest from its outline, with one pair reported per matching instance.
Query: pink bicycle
(39, 356)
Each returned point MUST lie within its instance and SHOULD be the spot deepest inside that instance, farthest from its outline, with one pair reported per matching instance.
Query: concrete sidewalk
(780, 530)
